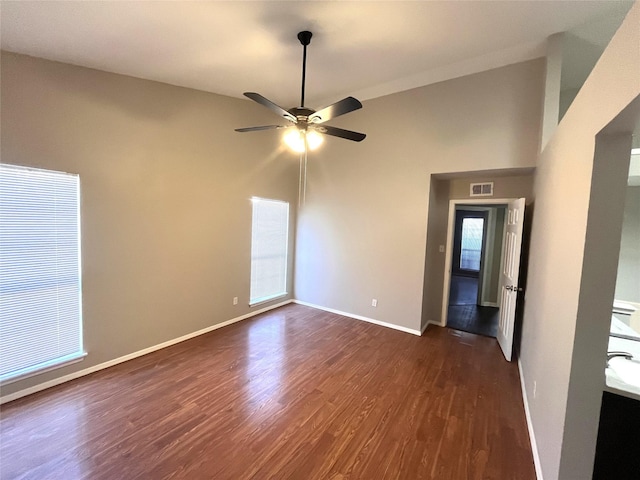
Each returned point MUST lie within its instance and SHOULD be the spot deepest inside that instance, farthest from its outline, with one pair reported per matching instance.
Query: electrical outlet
(374, 302)
(535, 387)
(235, 300)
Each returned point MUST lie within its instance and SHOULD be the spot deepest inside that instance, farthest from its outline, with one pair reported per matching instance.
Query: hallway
(463, 312)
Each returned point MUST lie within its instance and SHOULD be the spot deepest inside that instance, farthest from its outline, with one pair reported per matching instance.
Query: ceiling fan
(308, 124)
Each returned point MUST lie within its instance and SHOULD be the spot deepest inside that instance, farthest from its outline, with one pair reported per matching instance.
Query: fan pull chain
(302, 183)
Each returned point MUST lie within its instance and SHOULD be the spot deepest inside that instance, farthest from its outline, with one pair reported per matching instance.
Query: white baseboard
(131, 356)
(490, 304)
(532, 437)
(359, 317)
(430, 322)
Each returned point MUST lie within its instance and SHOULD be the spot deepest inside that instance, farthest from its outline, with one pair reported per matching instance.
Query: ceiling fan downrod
(305, 39)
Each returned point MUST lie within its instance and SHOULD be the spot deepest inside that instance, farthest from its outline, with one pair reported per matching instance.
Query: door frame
(449, 244)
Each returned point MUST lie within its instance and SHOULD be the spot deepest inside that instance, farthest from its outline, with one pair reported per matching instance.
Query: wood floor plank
(295, 393)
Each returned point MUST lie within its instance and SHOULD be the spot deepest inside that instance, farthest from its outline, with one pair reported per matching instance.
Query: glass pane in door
(471, 247)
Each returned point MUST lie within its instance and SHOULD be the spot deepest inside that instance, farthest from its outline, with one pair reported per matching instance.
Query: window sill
(260, 301)
(42, 368)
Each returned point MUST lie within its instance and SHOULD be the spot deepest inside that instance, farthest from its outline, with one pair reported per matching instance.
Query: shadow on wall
(582, 47)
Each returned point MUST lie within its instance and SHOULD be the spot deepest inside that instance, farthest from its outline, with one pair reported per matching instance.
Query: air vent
(481, 189)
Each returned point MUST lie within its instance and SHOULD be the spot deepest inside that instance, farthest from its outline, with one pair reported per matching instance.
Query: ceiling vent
(481, 189)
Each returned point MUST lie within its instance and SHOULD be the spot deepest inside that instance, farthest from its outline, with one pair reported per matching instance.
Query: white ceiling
(365, 49)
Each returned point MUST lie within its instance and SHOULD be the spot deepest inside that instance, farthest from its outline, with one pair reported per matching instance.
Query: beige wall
(511, 186)
(553, 81)
(362, 233)
(165, 185)
(572, 259)
(439, 196)
(492, 294)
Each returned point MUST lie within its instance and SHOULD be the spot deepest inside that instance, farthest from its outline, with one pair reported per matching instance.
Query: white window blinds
(40, 303)
(269, 242)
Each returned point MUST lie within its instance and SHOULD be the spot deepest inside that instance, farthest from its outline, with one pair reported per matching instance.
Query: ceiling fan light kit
(308, 129)
(299, 140)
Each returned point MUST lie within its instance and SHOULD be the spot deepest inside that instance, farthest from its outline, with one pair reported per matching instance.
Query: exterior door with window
(468, 242)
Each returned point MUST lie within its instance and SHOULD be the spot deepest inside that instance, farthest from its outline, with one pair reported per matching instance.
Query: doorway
(473, 287)
(506, 255)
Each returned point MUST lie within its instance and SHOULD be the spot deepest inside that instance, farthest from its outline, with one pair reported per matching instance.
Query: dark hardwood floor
(295, 393)
(464, 314)
(463, 290)
(474, 319)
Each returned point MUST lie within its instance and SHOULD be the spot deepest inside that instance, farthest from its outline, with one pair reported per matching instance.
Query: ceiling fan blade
(263, 127)
(345, 105)
(339, 132)
(256, 97)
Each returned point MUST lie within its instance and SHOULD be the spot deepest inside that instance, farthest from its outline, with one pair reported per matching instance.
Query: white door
(510, 273)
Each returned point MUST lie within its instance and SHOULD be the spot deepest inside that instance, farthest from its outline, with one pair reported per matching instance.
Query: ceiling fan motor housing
(302, 114)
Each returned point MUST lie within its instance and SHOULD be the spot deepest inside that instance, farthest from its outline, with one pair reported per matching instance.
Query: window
(40, 294)
(269, 243)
